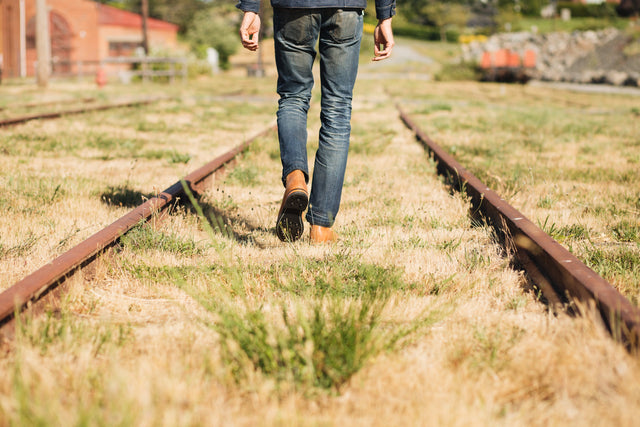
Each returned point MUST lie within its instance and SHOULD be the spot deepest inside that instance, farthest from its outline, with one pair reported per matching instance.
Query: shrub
(581, 10)
(423, 32)
(211, 28)
(457, 72)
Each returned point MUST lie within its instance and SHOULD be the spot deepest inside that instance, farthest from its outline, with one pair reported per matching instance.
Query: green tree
(415, 11)
(525, 7)
(217, 28)
(179, 12)
(445, 15)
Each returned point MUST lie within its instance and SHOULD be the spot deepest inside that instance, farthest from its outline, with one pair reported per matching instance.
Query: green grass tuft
(171, 274)
(321, 348)
(337, 276)
(246, 175)
(627, 231)
(19, 249)
(145, 238)
(63, 329)
(564, 233)
(435, 106)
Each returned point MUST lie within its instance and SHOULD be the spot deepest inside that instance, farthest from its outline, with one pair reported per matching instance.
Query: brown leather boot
(289, 226)
(321, 234)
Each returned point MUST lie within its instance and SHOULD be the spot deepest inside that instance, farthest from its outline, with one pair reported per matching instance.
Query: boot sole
(290, 226)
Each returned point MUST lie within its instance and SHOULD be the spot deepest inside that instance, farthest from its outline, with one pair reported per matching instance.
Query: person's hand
(383, 40)
(249, 30)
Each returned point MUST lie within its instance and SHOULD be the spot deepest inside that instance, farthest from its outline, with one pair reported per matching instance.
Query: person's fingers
(382, 54)
(249, 42)
(245, 38)
(382, 50)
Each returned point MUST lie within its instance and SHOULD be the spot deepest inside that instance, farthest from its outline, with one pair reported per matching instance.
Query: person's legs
(340, 35)
(295, 34)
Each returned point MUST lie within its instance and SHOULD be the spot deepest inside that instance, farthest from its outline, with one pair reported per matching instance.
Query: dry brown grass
(135, 343)
(567, 160)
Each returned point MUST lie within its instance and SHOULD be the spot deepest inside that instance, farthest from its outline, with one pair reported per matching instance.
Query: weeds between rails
(528, 241)
(33, 287)
(560, 275)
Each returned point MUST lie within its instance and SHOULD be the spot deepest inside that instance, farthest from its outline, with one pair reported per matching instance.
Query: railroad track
(40, 283)
(57, 114)
(563, 279)
(48, 103)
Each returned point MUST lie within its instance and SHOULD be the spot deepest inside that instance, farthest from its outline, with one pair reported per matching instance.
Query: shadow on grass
(124, 196)
(220, 221)
(226, 224)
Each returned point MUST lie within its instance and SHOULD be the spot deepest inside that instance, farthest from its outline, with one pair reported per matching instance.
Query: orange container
(485, 62)
(529, 59)
(501, 58)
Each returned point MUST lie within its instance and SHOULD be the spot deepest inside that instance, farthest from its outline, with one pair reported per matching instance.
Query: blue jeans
(338, 33)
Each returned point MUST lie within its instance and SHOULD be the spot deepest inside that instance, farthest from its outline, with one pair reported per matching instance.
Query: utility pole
(260, 65)
(43, 43)
(145, 37)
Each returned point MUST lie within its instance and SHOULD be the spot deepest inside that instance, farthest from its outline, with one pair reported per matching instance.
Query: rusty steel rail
(34, 286)
(57, 114)
(559, 274)
(47, 103)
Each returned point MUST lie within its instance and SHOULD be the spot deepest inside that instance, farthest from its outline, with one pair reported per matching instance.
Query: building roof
(109, 15)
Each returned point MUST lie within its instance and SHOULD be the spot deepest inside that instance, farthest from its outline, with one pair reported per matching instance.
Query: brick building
(82, 31)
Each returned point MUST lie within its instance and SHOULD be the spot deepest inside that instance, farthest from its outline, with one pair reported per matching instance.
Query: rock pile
(579, 57)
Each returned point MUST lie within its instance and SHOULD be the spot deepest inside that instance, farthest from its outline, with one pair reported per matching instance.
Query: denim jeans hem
(318, 220)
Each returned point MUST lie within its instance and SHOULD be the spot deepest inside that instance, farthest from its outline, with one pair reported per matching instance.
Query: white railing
(123, 68)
